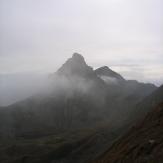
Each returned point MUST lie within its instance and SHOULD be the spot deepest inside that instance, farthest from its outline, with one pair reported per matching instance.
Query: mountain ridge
(107, 72)
(78, 100)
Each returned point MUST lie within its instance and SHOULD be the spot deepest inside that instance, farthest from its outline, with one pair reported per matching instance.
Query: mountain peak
(75, 65)
(77, 59)
(77, 56)
(106, 71)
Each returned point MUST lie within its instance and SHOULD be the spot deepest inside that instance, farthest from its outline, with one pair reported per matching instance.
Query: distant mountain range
(97, 106)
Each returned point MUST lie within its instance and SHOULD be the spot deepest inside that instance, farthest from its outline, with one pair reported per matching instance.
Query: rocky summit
(76, 65)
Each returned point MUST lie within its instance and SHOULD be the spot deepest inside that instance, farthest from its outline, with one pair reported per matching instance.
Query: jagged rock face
(76, 66)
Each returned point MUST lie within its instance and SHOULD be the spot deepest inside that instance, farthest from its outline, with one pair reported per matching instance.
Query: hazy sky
(126, 35)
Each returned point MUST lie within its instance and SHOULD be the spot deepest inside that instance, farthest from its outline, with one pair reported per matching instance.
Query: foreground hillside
(142, 144)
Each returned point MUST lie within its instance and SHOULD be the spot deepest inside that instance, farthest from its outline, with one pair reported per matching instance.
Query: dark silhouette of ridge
(106, 71)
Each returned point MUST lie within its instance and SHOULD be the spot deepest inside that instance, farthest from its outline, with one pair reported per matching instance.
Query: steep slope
(143, 143)
(151, 100)
(147, 104)
(76, 66)
(123, 95)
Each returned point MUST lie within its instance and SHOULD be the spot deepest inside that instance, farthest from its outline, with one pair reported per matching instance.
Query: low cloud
(109, 80)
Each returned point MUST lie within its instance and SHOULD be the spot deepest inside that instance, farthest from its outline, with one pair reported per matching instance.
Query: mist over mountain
(16, 87)
(108, 75)
(79, 110)
(77, 96)
(81, 81)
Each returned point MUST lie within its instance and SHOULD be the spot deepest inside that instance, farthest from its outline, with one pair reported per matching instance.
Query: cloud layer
(123, 34)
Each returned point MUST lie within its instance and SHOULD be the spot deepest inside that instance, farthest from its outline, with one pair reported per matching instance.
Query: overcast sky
(126, 35)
